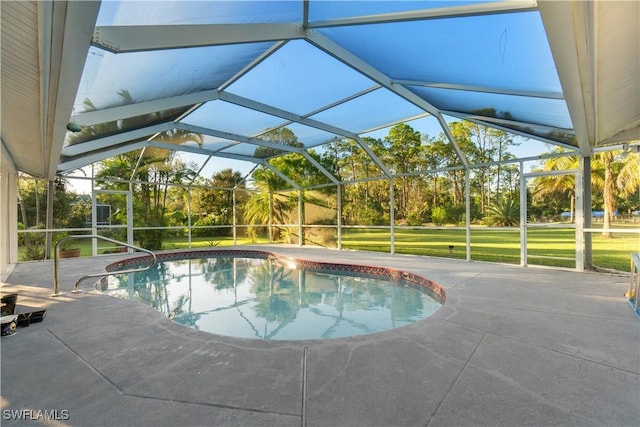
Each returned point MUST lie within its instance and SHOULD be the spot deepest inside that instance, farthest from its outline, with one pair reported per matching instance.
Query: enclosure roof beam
(267, 109)
(373, 156)
(79, 162)
(137, 166)
(198, 150)
(492, 8)
(280, 174)
(136, 38)
(237, 138)
(111, 140)
(452, 140)
(318, 166)
(251, 65)
(89, 118)
(483, 89)
(500, 124)
(396, 122)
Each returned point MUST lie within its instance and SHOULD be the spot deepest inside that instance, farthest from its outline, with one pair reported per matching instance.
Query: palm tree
(620, 172)
(157, 168)
(609, 191)
(503, 212)
(628, 180)
(554, 185)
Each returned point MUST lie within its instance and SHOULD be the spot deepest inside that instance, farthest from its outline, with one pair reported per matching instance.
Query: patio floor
(511, 346)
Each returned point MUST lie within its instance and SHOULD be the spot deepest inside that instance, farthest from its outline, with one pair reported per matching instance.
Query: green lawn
(550, 247)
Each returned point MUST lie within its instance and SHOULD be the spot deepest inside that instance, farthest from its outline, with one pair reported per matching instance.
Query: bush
(504, 212)
(33, 246)
(457, 214)
(209, 221)
(418, 215)
(438, 215)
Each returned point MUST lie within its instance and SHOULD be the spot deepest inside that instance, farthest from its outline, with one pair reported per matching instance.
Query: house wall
(8, 213)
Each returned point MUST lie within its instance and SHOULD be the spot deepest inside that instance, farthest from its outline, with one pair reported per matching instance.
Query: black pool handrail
(76, 286)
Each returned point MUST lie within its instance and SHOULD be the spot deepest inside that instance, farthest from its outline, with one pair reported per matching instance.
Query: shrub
(209, 221)
(418, 215)
(503, 212)
(438, 215)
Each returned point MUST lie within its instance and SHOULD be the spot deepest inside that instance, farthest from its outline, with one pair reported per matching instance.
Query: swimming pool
(254, 294)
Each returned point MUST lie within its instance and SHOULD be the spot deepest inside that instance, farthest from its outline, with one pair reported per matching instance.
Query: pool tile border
(318, 266)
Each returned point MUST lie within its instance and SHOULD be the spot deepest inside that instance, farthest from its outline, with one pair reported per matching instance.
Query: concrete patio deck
(511, 346)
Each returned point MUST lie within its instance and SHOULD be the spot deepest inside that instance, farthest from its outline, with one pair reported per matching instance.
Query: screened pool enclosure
(476, 130)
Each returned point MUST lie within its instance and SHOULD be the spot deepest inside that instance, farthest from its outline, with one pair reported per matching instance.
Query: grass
(550, 247)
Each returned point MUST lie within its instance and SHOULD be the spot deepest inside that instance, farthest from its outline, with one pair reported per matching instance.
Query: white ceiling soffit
(617, 71)
(595, 47)
(42, 61)
(21, 85)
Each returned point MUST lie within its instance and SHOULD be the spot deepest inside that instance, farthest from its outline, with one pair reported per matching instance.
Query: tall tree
(620, 172)
(488, 146)
(217, 200)
(607, 159)
(404, 145)
(156, 169)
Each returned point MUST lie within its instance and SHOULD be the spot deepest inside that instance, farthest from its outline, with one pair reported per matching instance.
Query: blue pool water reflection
(266, 299)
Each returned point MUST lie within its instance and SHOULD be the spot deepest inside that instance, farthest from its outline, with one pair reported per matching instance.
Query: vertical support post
(94, 244)
(585, 167)
(129, 216)
(48, 239)
(189, 217)
(234, 220)
(94, 220)
(339, 214)
(270, 219)
(580, 218)
(392, 218)
(467, 202)
(8, 213)
(300, 219)
(523, 217)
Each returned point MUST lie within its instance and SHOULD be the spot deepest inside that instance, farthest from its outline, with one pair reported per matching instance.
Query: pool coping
(394, 274)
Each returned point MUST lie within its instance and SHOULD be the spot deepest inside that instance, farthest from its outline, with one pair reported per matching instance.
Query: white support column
(392, 218)
(189, 217)
(94, 221)
(269, 226)
(235, 224)
(523, 217)
(339, 215)
(130, 215)
(582, 212)
(8, 213)
(467, 202)
(300, 219)
(585, 167)
(49, 218)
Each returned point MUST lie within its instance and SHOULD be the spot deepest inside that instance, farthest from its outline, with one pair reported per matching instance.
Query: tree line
(423, 175)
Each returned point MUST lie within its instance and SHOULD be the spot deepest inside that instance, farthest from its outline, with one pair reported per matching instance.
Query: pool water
(270, 300)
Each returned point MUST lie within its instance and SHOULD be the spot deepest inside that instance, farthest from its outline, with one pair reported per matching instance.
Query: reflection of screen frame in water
(275, 303)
